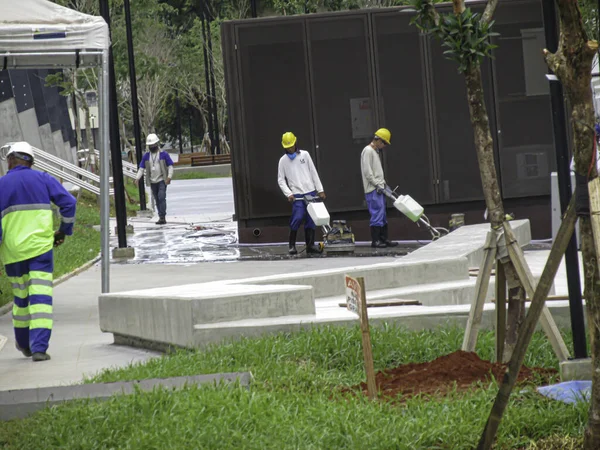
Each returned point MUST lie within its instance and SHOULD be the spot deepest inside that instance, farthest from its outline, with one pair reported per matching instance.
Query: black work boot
(292, 250)
(376, 241)
(39, 356)
(309, 237)
(26, 352)
(161, 221)
(384, 237)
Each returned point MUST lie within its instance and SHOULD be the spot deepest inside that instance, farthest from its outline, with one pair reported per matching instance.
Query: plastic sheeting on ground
(568, 391)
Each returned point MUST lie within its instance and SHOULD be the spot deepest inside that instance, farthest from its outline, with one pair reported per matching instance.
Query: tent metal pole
(104, 172)
(66, 53)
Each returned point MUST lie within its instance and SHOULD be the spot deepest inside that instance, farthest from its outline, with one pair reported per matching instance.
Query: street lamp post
(137, 133)
(115, 139)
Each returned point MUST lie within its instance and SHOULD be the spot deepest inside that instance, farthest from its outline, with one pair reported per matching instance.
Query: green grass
(295, 401)
(81, 247)
(197, 175)
(132, 204)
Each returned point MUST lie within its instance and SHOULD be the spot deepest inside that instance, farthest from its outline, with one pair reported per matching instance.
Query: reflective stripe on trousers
(32, 310)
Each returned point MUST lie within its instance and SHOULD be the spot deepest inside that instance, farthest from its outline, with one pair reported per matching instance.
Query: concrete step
(467, 242)
(446, 293)
(167, 315)
(328, 283)
(410, 317)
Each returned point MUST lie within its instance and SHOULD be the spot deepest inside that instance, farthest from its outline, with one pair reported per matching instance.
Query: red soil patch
(459, 369)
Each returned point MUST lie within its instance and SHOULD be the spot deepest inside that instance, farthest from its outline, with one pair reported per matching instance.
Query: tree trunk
(484, 146)
(572, 64)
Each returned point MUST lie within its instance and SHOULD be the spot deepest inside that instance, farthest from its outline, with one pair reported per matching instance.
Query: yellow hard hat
(288, 140)
(385, 135)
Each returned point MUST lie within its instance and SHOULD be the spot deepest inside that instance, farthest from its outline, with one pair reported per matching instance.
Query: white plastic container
(318, 213)
(409, 207)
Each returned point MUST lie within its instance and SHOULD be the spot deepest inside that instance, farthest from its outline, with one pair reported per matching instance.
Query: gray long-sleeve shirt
(371, 169)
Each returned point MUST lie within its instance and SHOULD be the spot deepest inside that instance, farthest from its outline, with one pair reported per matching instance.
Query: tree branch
(458, 6)
(555, 63)
(430, 12)
(490, 9)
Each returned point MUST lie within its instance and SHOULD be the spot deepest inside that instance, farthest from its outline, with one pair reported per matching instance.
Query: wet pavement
(200, 228)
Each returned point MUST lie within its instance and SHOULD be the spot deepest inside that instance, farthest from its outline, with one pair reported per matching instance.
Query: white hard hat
(20, 147)
(152, 139)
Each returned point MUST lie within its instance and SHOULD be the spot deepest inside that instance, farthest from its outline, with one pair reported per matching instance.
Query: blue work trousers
(300, 214)
(159, 191)
(376, 205)
(32, 309)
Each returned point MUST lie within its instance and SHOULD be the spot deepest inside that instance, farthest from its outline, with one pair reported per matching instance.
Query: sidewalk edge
(8, 307)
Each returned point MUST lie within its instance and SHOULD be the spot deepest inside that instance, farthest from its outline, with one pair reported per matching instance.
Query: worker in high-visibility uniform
(27, 237)
(297, 177)
(374, 184)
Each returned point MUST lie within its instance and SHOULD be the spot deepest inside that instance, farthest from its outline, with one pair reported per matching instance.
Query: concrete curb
(18, 404)
(77, 271)
(8, 307)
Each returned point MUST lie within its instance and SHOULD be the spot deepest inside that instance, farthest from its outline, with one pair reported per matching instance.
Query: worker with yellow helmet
(297, 177)
(374, 185)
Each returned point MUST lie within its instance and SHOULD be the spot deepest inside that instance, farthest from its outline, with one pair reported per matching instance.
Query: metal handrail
(59, 173)
(65, 170)
(42, 155)
(72, 173)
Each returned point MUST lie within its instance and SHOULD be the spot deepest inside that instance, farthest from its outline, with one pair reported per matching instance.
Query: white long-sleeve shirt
(371, 169)
(298, 176)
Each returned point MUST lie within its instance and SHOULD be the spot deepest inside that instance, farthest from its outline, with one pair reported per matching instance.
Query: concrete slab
(10, 130)
(47, 139)
(400, 273)
(59, 145)
(576, 369)
(20, 403)
(30, 127)
(123, 253)
(431, 294)
(437, 275)
(410, 317)
(168, 315)
(467, 242)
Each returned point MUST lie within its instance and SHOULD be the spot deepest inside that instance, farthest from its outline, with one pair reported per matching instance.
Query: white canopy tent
(39, 34)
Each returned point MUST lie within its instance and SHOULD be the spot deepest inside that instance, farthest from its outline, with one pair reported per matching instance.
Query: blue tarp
(568, 392)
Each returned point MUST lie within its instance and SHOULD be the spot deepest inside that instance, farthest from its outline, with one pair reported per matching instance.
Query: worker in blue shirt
(27, 238)
(157, 167)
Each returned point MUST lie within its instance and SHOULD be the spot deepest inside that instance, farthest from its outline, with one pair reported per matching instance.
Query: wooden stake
(548, 325)
(500, 310)
(386, 303)
(481, 288)
(594, 190)
(366, 341)
(535, 311)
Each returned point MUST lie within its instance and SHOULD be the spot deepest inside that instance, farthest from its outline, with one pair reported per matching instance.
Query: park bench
(209, 160)
(184, 160)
